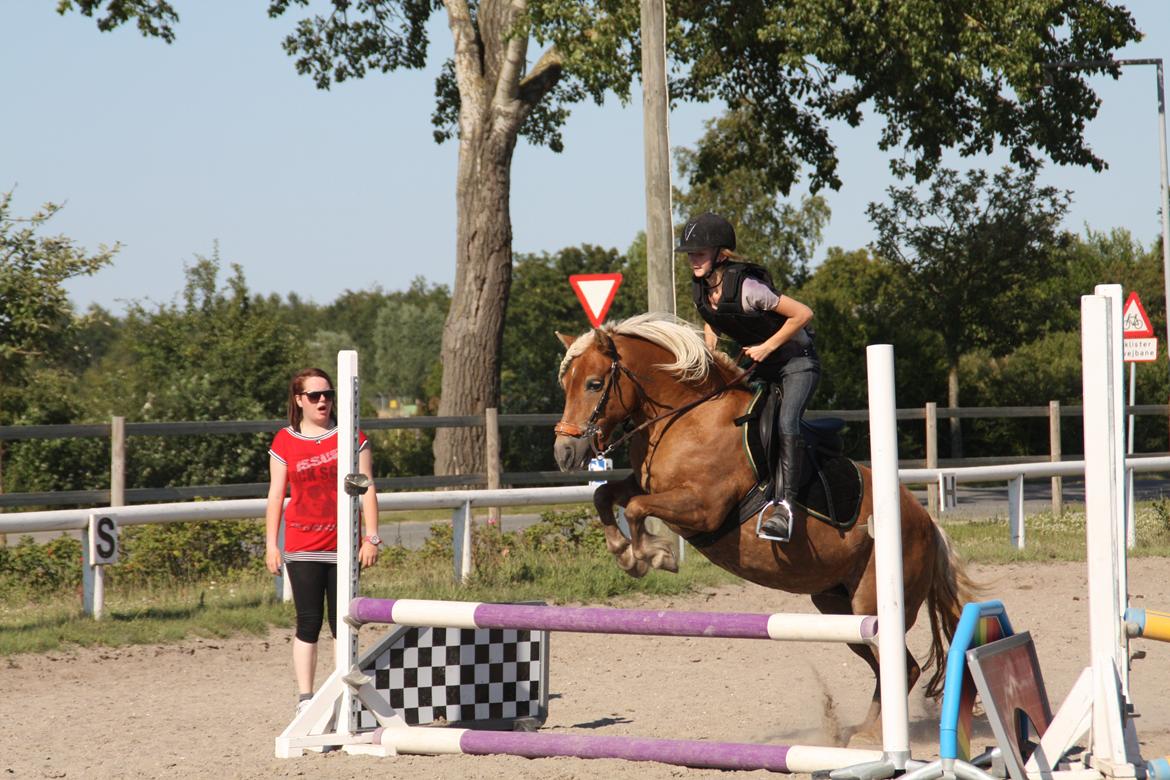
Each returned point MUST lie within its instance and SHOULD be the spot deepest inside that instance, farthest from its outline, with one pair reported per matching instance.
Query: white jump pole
(887, 514)
(1114, 375)
(348, 527)
(1104, 511)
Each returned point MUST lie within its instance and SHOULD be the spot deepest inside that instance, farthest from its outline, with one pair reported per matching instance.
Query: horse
(653, 376)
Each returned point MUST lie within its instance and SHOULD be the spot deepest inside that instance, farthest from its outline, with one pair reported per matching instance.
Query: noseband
(592, 431)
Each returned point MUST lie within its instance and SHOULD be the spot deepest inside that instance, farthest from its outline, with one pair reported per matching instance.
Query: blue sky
(169, 149)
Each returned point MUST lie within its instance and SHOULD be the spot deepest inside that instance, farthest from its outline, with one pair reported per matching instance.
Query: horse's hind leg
(838, 602)
(604, 498)
(864, 602)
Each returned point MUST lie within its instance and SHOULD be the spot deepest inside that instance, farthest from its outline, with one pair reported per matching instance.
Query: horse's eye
(593, 385)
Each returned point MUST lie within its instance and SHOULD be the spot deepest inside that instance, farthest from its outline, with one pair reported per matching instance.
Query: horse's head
(593, 405)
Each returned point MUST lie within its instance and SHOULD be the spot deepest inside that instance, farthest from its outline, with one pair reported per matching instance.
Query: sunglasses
(316, 395)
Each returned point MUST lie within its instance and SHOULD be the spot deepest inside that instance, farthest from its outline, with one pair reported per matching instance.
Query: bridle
(592, 431)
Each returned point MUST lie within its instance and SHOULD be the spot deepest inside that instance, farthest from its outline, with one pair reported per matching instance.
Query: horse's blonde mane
(692, 359)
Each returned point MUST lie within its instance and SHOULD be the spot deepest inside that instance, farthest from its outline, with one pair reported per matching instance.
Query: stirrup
(763, 534)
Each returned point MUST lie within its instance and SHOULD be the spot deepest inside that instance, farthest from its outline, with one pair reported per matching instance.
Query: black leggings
(313, 582)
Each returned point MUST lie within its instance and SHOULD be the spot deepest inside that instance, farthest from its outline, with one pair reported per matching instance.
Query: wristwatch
(374, 540)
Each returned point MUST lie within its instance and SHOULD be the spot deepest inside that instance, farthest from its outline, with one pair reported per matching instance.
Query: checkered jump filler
(333, 717)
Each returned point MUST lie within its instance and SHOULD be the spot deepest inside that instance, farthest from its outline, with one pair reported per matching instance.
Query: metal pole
(1164, 206)
(656, 159)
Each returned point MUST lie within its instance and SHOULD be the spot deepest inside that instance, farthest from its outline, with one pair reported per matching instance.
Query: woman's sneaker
(302, 706)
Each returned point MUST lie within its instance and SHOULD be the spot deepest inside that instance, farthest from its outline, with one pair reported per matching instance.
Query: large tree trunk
(474, 329)
(953, 402)
(496, 95)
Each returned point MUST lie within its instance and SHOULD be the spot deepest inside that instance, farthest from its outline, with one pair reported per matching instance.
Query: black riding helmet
(706, 230)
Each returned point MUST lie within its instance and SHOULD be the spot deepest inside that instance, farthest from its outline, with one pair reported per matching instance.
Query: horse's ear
(566, 340)
(604, 343)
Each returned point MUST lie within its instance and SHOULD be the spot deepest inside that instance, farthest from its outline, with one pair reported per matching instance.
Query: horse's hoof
(864, 737)
(665, 562)
(631, 565)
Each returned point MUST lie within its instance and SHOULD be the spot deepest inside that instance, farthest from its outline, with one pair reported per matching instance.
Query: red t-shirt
(310, 519)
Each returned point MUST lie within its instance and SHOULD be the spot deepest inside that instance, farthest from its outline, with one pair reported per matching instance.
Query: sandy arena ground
(211, 708)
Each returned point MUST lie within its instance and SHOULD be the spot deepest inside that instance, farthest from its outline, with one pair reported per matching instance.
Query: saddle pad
(834, 498)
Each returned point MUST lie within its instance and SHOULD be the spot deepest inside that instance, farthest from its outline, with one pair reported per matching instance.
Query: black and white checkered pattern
(460, 675)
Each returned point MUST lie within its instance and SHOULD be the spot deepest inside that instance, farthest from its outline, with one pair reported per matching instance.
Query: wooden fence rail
(118, 431)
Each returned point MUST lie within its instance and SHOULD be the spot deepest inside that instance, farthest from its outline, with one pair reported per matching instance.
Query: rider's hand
(759, 352)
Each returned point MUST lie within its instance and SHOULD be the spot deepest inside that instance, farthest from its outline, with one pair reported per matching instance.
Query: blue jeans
(798, 379)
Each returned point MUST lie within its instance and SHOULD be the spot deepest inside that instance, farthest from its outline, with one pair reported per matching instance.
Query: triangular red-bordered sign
(596, 292)
(1135, 323)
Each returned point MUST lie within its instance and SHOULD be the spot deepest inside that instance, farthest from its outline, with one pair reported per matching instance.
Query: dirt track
(212, 708)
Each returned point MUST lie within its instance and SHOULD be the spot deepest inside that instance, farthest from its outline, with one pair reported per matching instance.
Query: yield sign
(1135, 323)
(596, 291)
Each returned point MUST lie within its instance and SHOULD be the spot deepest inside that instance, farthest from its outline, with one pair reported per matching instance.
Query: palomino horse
(690, 470)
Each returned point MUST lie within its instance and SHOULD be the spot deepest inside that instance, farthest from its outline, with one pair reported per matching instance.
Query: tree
(779, 236)
(979, 256)
(944, 74)
(37, 323)
(408, 335)
(543, 303)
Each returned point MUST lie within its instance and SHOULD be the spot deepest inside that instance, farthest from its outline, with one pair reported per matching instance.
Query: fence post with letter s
(99, 548)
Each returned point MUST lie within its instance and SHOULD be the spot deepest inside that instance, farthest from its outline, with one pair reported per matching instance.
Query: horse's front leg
(683, 507)
(604, 498)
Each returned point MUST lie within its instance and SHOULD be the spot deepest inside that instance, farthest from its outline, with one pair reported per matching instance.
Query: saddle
(830, 485)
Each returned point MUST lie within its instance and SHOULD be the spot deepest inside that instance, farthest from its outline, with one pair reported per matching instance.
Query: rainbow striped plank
(1148, 623)
(692, 753)
(852, 629)
(981, 622)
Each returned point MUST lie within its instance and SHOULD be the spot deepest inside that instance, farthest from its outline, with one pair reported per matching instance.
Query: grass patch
(141, 615)
(1048, 537)
(560, 560)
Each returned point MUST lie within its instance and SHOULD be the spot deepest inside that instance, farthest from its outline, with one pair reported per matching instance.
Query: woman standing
(736, 299)
(304, 455)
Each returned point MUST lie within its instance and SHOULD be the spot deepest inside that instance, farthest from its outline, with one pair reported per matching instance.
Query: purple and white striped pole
(792, 627)
(694, 753)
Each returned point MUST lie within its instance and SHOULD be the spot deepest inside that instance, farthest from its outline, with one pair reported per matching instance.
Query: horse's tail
(950, 589)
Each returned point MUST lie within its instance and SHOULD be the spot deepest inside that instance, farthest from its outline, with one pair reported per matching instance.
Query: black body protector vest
(748, 328)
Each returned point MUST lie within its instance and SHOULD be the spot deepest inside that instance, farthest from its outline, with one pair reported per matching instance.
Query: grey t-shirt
(757, 296)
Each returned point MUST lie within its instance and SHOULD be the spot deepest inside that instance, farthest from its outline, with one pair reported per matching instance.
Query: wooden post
(492, 458)
(117, 461)
(656, 159)
(932, 497)
(1054, 456)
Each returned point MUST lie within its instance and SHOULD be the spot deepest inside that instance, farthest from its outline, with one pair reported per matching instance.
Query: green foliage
(36, 318)
(31, 570)
(969, 75)
(542, 303)
(408, 335)
(188, 552)
(976, 251)
(859, 300)
(726, 180)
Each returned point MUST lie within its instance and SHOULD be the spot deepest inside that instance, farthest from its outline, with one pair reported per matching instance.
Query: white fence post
(1016, 511)
(461, 541)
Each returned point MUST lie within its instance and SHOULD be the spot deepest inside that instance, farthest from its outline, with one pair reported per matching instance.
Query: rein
(593, 431)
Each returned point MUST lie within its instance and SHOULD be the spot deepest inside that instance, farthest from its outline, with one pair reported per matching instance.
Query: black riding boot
(778, 527)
